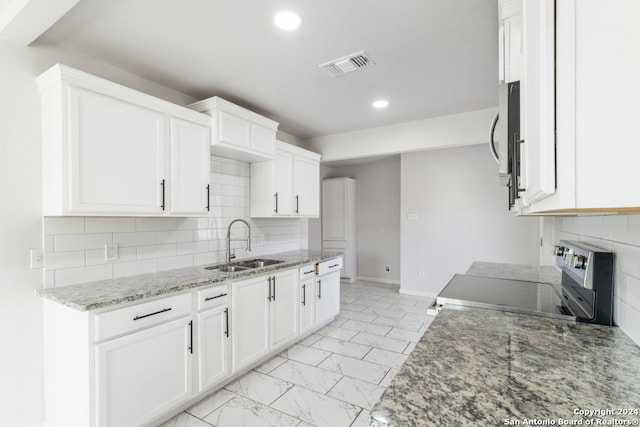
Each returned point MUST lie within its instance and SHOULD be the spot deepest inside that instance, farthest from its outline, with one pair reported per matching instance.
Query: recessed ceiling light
(287, 20)
(380, 103)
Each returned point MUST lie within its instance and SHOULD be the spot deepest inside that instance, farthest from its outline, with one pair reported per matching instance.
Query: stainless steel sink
(258, 263)
(227, 268)
(243, 265)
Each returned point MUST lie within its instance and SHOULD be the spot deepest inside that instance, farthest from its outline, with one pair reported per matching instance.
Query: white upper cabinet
(110, 150)
(596, 109)
(288, 185)
(537, 101)
(306, 187)
(509, 40)
(116, 152)
(190, 168)
(238, 133)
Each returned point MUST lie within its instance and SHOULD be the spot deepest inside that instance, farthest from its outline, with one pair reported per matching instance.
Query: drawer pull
(217, 296)
(309, 272)
(334, 265)
(151, 314)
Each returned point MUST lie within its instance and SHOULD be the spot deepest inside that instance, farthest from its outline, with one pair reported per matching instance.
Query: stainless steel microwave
(505, 139)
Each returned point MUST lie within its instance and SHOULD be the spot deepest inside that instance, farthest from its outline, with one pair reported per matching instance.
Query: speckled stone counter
(528, 273)
(477, 367)
(107, 293)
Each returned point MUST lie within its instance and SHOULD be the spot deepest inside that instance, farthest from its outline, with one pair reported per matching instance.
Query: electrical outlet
(387, 268)
(110, 252)
(37, 258)
(420, 274)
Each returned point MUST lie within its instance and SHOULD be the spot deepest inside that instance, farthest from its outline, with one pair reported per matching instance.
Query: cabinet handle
(164, 310)
(297, 204)
(217, 296)
(309, 271)
(162, 185)
(226, 315)
(269, 299)
(208, 197)
(276, 199)
(319, 289)
(334, 265)
(191, 336)
(304, 294)
(274, 288)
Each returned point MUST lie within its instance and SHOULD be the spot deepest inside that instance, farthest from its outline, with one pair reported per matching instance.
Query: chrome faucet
(248, 239)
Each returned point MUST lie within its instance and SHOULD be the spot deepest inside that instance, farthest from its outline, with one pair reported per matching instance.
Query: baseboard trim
(418, 293)
(379, 280)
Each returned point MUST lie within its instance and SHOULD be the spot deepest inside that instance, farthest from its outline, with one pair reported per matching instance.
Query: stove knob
(578, 261)
(558, 250)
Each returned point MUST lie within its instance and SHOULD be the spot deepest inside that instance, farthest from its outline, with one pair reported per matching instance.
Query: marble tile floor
(330, 379)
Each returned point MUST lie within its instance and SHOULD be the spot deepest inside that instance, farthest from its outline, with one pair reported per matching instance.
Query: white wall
(440, 132)
(378, 217)
(620, 234)
(74, 246)
(462, 217)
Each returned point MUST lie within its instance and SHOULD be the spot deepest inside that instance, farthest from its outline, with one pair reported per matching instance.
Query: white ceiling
(433, 57)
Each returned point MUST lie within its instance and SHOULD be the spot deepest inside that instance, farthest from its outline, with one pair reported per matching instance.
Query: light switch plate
(37, 258)
(110, 252)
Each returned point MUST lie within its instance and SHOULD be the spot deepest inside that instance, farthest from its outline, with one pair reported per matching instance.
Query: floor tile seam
(357, 416)
(261, 404)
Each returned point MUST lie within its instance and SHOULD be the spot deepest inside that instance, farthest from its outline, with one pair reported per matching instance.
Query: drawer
(307, 271)
(213, 297)
(121, 321)
(329, 266)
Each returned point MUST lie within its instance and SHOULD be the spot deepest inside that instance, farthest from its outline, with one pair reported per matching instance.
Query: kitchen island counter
(476, 367)
(109, 293)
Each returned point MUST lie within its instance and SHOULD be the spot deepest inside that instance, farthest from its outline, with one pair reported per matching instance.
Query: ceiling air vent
(349, 63)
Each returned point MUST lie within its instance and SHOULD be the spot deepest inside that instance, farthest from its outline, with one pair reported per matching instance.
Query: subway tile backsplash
(74, 246)
(618, 233)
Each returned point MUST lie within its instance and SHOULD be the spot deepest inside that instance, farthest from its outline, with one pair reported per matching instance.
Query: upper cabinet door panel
(234, 130)
(190, 145)
(306, 187)
(538, 99)
(116, 155)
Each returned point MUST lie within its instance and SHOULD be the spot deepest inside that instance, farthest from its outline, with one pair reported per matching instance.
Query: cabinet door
(213, 347)
(327, 297)
(306, 187)
(262, 139)
(190, 160)
(307, 305)
(334, 219)
(284, 314)
(283, 183)
(143, 375)
(234, 130)
(538, 99)
(116, 156)
(250, 320)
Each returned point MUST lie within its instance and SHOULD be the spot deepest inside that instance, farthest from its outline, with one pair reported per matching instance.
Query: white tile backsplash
(618, 233)
(74, 246)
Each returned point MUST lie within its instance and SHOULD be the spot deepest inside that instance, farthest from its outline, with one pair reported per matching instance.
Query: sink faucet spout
(248, 239)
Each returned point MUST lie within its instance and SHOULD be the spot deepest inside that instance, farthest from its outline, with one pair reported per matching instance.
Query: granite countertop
(107, 293)
(528, 273)
(476, 367)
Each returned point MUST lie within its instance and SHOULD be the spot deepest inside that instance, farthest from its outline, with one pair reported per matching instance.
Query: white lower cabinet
(144, 374)
(138, 364)
(327, 297)
(213, 344)
(265, 315)
(307, 305)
